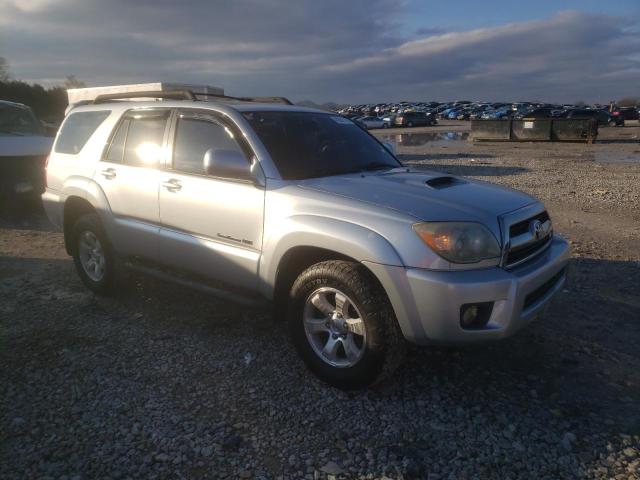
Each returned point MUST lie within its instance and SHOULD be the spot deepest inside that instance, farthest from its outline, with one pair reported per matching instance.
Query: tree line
(47, 103)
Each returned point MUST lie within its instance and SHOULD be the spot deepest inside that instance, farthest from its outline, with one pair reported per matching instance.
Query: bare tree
(72, 82)
(629, 102)
(5, 74)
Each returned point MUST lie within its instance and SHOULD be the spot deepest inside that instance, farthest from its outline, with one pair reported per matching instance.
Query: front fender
(339, 236)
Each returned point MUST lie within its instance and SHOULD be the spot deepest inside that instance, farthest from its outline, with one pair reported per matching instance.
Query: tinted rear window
(77, 130)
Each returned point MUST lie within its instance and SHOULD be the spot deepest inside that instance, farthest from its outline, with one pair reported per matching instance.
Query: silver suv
(307, 210)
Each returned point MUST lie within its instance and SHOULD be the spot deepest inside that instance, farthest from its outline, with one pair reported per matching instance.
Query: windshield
(18, 121)
(309, 145)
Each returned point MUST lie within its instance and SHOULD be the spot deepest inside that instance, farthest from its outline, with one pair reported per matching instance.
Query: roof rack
(173, 94)
(283, 100)
(186, 95)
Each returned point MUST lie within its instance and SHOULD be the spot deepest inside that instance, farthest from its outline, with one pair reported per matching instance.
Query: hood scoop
(445, 181)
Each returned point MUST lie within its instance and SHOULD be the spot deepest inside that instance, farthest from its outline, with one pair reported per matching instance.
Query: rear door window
(145, 135)
(77, 129)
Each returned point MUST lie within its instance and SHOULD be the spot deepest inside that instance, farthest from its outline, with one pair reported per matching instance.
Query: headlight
(459, 242)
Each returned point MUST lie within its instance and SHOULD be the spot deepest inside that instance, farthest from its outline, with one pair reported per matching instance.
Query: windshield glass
(18, 121)
(309, 145)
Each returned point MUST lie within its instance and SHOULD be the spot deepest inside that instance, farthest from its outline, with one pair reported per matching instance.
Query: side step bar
(236, 297)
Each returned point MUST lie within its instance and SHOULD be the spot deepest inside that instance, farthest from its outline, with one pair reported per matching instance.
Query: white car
(24, 147)
(372, 122)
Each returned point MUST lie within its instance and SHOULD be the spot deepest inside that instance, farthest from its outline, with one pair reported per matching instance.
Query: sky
(345, 51)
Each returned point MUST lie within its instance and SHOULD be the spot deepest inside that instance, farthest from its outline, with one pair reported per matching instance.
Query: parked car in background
(503, 112)
(544, 112)
(602, 117)
(389, 120)
(370, 122)
(24, 146)
(414, 119)
(626, 113)
(465, 110)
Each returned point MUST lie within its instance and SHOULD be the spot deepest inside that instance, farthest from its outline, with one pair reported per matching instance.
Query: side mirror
(390, 146)
(226, 164)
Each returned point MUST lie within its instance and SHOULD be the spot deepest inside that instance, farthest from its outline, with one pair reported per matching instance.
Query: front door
(210, 226)
(129, 176)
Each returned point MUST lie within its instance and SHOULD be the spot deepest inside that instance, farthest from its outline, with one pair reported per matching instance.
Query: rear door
(210, 226)
(129, 176)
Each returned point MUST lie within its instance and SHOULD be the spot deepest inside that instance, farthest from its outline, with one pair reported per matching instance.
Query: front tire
(92, 254)
(343, 326)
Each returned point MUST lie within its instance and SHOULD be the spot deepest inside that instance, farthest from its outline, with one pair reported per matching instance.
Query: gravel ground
(162, 382)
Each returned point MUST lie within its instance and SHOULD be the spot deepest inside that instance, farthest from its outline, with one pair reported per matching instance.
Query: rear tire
(353, 340)
(92, 254)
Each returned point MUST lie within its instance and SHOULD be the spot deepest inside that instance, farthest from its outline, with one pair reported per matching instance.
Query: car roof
(14, 104)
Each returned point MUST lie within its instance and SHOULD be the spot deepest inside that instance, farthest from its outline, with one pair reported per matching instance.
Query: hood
(24, 146)
(427, 196)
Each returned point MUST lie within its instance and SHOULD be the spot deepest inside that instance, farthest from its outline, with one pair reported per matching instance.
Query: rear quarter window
(77, 129)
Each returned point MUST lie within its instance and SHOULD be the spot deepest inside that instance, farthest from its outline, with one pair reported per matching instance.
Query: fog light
(469, 314)
(475, 315)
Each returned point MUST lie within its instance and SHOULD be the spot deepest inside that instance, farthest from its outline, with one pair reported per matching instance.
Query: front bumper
(427, 303)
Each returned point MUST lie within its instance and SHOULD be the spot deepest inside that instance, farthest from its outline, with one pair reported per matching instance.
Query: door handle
(109, 173)
(172, 185)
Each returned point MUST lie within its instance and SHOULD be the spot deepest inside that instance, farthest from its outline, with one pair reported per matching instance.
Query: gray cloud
(330, 50)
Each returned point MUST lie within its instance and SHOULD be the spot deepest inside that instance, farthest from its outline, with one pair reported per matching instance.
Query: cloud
(330, 50)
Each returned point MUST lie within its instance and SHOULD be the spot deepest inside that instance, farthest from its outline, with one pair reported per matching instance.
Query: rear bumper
(427, 303)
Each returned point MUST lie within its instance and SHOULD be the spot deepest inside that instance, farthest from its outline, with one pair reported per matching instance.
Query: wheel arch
(295, 261)
(83, 196)
(74, 207)
(309, 240)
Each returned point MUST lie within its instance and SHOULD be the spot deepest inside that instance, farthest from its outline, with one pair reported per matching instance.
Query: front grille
(522, 241)
(523, 227)
(515, 256)
(543, 289)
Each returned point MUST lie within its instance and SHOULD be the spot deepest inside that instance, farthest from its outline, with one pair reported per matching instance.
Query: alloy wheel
(334, 327)
(92, 255)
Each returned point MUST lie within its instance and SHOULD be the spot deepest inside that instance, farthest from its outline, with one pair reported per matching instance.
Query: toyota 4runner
(307, 210)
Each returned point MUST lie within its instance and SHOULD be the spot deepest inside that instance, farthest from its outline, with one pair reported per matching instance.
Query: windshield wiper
(365, 168)
(377, 166)
(331, 172)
